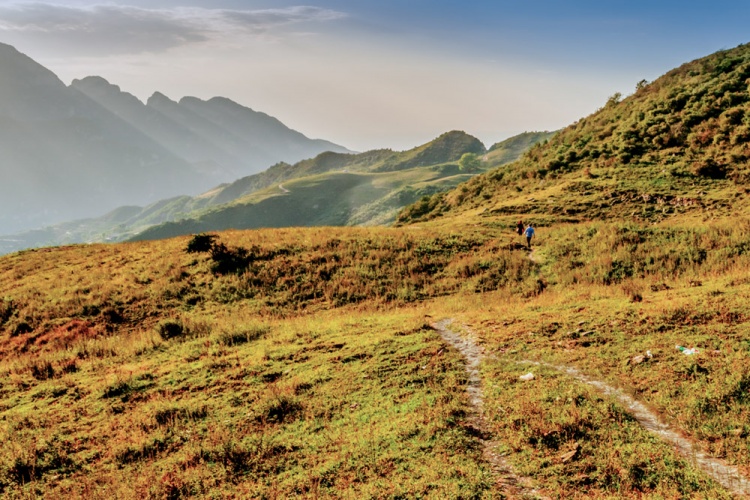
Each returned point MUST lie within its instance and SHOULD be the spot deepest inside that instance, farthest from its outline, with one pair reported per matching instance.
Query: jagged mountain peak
(99, 89)
(75, 151)
(19, 67)
(95, 81)
(159, 98)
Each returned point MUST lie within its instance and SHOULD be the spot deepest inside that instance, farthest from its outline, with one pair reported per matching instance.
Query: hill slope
(382, 187)
(678, 144)
(333, 189)
(142, 369)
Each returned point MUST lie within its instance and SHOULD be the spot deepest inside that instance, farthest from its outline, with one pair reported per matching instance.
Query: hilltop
(679, 144)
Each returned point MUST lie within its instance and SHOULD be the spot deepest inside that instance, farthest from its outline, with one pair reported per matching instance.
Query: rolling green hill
(385, 182)
(513, 148)
(334, 189)
(678, 144)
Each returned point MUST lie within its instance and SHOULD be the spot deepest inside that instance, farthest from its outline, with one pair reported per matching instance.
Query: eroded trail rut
(506, 479)
(726, 475)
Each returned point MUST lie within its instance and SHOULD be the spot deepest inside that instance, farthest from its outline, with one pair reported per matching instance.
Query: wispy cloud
(115, 29)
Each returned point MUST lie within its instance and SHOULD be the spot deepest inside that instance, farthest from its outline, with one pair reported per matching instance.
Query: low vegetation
(678, 144)
(308, 367)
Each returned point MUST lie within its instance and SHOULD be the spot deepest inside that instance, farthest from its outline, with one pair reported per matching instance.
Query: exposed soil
(509, 483)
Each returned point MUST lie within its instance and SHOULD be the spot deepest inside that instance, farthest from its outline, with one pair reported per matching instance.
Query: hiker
(529, 234)
(519, 228)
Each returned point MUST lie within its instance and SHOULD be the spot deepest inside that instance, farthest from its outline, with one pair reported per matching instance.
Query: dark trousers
(528, 241)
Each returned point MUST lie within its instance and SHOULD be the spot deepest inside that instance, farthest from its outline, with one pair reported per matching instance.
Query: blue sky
(379, 73)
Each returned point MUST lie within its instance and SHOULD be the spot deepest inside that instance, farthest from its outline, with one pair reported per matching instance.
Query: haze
(372, 74)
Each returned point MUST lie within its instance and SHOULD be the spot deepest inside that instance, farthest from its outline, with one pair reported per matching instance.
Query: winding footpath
(727, 475)
(505, 478)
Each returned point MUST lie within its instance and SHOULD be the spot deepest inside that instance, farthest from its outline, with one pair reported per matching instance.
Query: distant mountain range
(68, 152)
(331, 189)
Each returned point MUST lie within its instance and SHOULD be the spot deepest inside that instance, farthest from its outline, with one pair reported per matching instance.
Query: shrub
(243, 336)
(201, 243)
(42, 370)
(226, 260)
(20, 328)
(170, 329)
(709, 168)
(229, 260)
(7, 308)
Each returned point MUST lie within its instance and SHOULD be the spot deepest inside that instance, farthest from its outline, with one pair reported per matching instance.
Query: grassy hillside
(513, 148)
(332, 189)
(333, 199)
(678, 144)
(140, 370)
(305, 364)
(440, 156)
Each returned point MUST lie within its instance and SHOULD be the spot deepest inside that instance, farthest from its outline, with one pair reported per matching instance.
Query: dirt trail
(506, 479)
(726, 475)
(533, 257)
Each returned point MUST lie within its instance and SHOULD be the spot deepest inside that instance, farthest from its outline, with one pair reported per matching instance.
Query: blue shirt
(529, 232)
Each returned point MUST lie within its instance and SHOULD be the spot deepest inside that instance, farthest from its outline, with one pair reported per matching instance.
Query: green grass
(342, 405)
(308, 369)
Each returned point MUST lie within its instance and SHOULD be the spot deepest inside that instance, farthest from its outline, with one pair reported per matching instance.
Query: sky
(372, 74)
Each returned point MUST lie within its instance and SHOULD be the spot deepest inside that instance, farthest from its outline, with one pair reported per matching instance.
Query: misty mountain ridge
(68, 152)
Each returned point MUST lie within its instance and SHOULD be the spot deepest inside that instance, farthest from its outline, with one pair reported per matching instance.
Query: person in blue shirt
(529, 233)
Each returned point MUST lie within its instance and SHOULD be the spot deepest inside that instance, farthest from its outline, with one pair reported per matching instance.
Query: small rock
(567, 457)
(527, 377)
(637, 360)
(659, 287)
